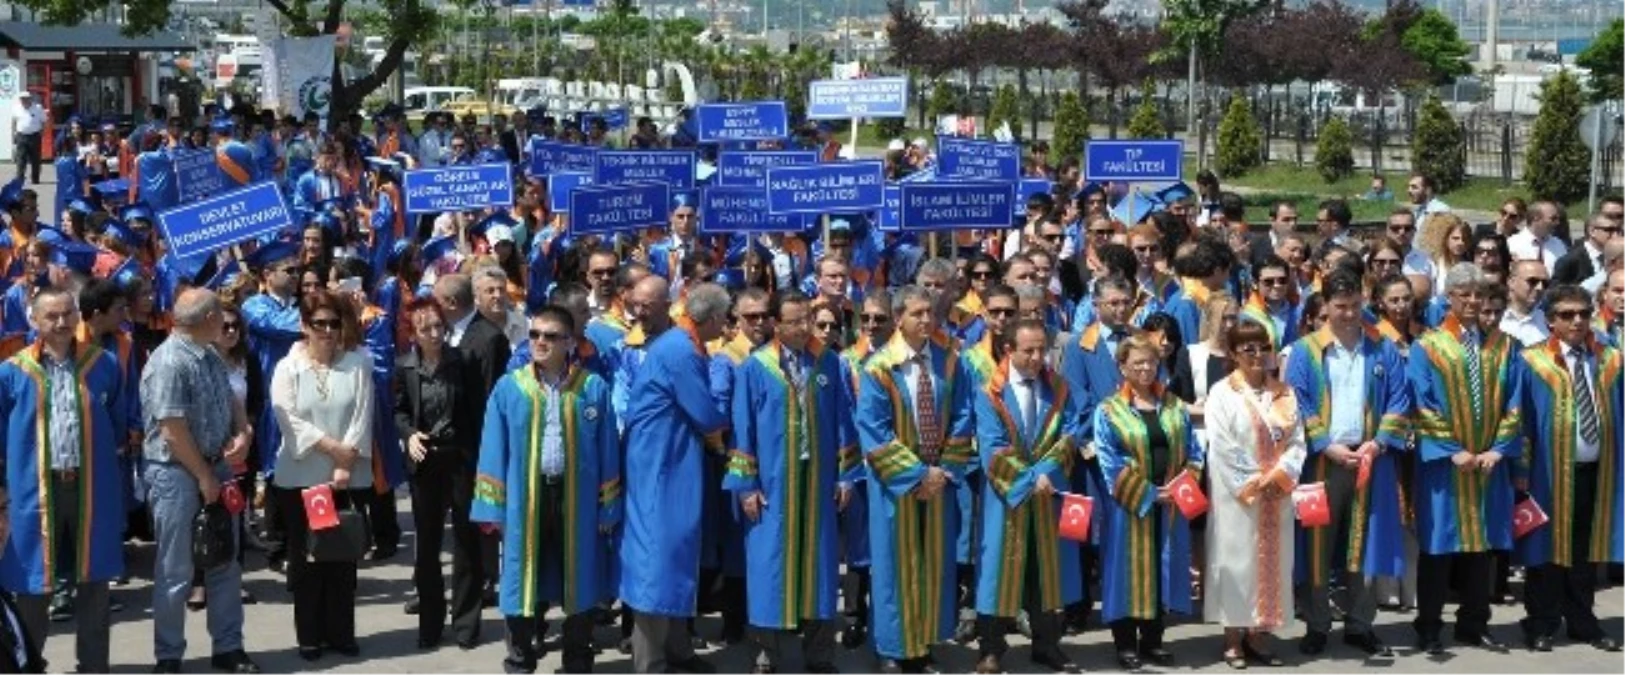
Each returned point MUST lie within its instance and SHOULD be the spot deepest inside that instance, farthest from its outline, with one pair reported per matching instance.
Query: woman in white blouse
(322, 395)
(1255, 452)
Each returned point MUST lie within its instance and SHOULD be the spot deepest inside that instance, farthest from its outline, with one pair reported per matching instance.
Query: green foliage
(1146, 122)
(1071, 128)
(1334, 152)
(1434, 42)
(1557, 165)
(891, 127)
(1239, 143)
(943, 102)
(1006, 110)
(1438, 148)
(1605, 56)
(1203, 21)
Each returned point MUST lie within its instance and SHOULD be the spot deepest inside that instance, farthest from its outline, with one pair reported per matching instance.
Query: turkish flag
(232, 498)
(1311, 505)
(1527, 516)
(1188, 495)
(1075, 513)
(319, 508)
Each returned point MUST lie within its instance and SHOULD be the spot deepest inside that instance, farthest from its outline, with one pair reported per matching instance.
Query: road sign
(1600, 125)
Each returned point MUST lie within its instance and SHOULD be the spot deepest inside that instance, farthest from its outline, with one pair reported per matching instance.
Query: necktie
(1540, 251)
(1583, 402)
(1475, 374)
(925, 408)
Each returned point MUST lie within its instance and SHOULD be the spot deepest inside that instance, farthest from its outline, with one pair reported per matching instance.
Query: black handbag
(346, 542)
(214, 537)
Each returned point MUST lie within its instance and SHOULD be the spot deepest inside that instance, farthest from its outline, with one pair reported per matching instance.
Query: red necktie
(925, 407)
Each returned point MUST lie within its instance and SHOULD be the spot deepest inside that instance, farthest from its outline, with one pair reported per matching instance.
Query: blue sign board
(981, 160)
(605, 209)
(887, 220)
(672, 167)
(614, 118)
(206, 226)
(458, 188)
(749, 169)
(826, 188)
(547, 157)
(728, 210)
(1025, 189)
(197, 175)
(847, 99)
(559, 187)
(1133, 161)
(753, 121)
(956, 205)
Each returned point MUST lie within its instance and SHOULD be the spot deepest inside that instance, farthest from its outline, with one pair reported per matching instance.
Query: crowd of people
(870, 440)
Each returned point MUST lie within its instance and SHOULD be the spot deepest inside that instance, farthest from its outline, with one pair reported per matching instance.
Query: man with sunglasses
(1401, 230)
(1571, 397)
(1354, 399)
(272, 318)
(1524, 320)
(1273, 304)
(1585, 260)
(1332, 221)
(1469, 432)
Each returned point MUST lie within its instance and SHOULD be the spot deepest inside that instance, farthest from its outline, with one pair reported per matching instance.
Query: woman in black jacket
(436, 402)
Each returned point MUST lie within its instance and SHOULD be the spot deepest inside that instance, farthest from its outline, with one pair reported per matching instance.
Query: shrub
(1437, 147)
(1071, 128)
(1006, 110)
(1146, 122)
(1239, 142)
(1334, 152)
(1558, 164)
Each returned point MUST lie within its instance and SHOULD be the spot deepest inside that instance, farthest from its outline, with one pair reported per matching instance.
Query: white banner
(306, 77)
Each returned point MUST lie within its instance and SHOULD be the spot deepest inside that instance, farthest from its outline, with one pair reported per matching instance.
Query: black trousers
(523, 648)
(384, 516)
(323, 592)
(28, 156)
(1046, 625)
(1553, 595)
(1144, 635)
(275, 528)
(444, 482)
(1475, 572)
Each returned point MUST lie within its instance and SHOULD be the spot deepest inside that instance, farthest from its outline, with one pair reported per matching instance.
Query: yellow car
(481, 109)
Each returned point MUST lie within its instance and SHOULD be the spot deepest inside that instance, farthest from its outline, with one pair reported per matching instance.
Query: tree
(1433, 41)
(943, 102)
(1006, 110)
(1147, 123)
(1438, 149)
(1071, 127)
(1334, 152)
(1605, 57)
(1557, 165)
(1239, 144)
(414, 22)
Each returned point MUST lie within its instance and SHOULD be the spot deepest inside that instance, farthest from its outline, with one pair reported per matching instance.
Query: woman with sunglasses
(827, 327)
(1510, 218)
(322, 396)
(1143, 439)
(1493, 258)
(246, 386)
(1256, 451)
(1382, 258)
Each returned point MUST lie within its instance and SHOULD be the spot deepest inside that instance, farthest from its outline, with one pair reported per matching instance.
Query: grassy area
(1479, 194)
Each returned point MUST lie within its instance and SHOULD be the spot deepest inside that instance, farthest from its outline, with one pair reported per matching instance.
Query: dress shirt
(795, 368)
(1027, 400)
(1109, 339)
(1528, 329)
(1581, 367)
(63, 389)
(454, 337)
(1523, 246)
(1346, 369)
(552, 427)
(30, 119)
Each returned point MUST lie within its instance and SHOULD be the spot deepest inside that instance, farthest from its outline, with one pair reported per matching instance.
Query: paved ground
(388, 638)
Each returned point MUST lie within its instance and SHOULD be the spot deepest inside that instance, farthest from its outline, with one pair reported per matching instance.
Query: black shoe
(248, 598)
(1606, 644)
(167, 666)
(1057, 661)
(1130, 661)
(383, 552)
(1368, 643)
(625, 646)
(234, 662)
(351, 649)
(61, 609)
(310, 653)
(1538, 643)
(1313, 643)
(853, 636)
(1430, 645)
(413, 606)
(694, 664)
(428, 642)
(1261, 658)
(760, 669)
(468, 644)
(1484, 640)
(1158, 656)
(890, 667)
(489, 598)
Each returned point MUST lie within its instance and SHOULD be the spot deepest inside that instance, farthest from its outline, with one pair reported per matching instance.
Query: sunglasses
(1384, 261)
(824, 325)
(230, 326)
(1610, 230)
(753, 317)
(1102, 232)
(328, 325)
(1572, 314)
(981, 274)
(1145, 249)
(1001, 312)
(1255, 349)
(546, 335)
(1537, 281)
(874, 318)
(1052, 238)
(1272, 282)
(1401, 228)
(1511, 214)
(1488, 251)
(603, 273)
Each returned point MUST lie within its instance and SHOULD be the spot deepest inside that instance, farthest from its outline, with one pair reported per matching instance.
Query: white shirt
(29, 119)
(1523, 247)
(1417, 262)
(552, 429)
(455, 336)
(1581, 369)
(1528, 329)
(1346, 369)
(1027, 402)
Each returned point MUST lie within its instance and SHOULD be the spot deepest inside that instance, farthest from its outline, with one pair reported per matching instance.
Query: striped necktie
(1475, 371)
(925, 408)
(1584, 403)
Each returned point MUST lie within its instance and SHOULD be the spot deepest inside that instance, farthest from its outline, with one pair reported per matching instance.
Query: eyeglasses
(1255, 349)
(1001, 312)
(981, 274)
(328, 325)
(546, 335)
(1537, 282)
(1386, 262)
(230, 326)
(1401, 228)
(874, 318)
(753, 317)
(1572, 314)
(1488, 251)
(1272, 282)
(824, 325)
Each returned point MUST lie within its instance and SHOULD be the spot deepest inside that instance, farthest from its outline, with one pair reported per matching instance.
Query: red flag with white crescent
(1076, 511)
(319, 508)
(1526, 517)
(1188, 495)
(1311, 505)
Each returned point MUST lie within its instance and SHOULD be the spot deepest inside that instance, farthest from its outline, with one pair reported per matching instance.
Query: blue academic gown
(1187, 312)
(792, 554)
(1133, 585)
(70, 182)
(1375, 545)
(1464, 512)
(378, 336)
(1092, 375)
(122, 348)
(156, 186)
(31, 562)
(854, 521)
(510, 466)
(1013, 455)
(1549, 425)
(668, 420)
(911, 540)
(722, 533)
(273, 328)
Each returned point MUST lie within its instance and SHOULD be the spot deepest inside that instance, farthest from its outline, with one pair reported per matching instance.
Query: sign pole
(931, 244)
(1596, 162)
(824, 223)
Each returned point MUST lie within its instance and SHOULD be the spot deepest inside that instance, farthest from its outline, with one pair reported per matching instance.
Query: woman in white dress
(1255, 451)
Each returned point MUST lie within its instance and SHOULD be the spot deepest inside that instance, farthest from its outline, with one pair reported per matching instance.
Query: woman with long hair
(1394, 304)
(1491, 255)
(244, 375)
(1449, 239)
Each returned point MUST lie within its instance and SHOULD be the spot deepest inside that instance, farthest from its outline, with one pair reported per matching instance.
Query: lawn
(1304, 185)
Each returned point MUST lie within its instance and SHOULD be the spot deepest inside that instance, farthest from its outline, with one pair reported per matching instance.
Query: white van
(420, 99)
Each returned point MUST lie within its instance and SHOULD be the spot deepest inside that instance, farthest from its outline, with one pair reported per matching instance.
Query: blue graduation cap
(397, 250)
(1175, 192)
(264, 256)
(137, 211)
(1135, 207)
(500, 218)
(382, 164)
(438, 248)
(11, 193)
(75, 255)
(50, 235)
(222, 125)
(81, 205)
(681, 198)
(113, 191)
(126, 274)
(223, 276)
(535, 114)
(122, 232)
(389, 111)
(325, 220)
(1089, 189)
(840, 224)
(336, 205)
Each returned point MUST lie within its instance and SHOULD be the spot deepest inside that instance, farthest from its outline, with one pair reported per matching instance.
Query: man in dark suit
(1583, 261)
(516, 137)
(1283, 221)
(17, 652)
